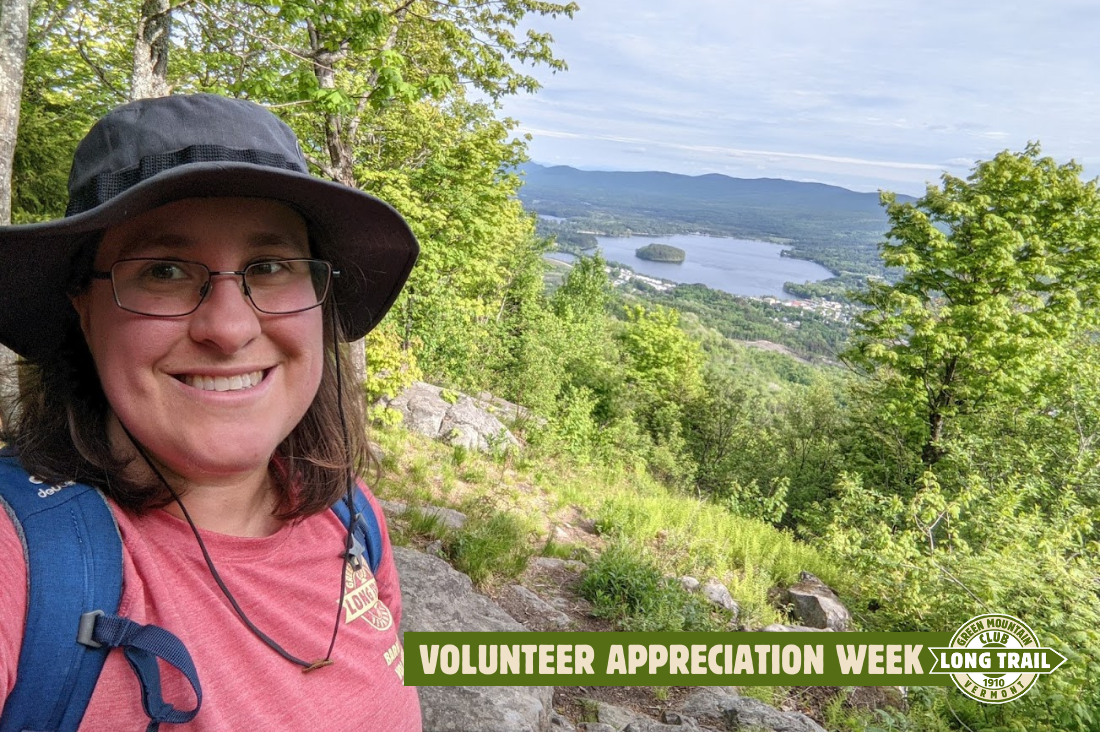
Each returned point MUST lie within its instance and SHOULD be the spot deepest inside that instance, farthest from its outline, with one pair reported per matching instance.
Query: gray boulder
(449, 517)
(617, 717)
(723, 709)
(817, 606)
(718, 594)
(553, 563)
(438, 598)
(451, 417)
(533, 605)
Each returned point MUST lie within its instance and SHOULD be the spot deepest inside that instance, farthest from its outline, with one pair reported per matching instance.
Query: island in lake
(661, 253)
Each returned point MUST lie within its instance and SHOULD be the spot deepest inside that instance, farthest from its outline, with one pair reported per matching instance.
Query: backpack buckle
(86, 629)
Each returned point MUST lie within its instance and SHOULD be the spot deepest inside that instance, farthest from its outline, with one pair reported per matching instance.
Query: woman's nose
(226, 318)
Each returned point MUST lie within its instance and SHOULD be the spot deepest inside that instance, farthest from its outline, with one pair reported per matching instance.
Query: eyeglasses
(171, 288)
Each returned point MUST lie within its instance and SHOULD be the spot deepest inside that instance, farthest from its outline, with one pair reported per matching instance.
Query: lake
(736, 266)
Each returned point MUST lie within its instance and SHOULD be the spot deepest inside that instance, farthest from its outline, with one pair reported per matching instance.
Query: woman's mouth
(234, 382)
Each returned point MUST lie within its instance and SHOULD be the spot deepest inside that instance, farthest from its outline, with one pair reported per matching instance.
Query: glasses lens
(287, 285)
(158, 286)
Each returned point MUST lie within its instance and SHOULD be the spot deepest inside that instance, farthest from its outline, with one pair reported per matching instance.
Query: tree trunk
(14, 17)
(933, 450)
(150, 71)
(340, 161)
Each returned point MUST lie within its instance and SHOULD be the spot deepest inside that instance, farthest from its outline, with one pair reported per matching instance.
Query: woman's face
(161, 375)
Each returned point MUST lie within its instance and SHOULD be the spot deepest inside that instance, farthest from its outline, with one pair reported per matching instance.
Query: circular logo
(995, 658)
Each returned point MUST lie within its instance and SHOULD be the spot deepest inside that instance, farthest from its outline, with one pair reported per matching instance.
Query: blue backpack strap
(73, 552)
(366, 533)
(74, 564)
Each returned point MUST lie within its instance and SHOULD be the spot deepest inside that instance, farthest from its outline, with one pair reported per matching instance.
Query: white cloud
(842, 90)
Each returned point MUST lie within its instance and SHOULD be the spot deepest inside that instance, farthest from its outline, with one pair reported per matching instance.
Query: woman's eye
(165, 271)
(266, 269)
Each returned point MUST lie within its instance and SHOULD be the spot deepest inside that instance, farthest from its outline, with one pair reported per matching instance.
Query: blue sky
(866, 94)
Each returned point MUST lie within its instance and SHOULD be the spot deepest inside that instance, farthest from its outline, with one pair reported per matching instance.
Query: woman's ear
(83, 311)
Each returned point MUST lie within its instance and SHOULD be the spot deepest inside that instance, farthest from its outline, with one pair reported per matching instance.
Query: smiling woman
(151, 365)
(179, 330)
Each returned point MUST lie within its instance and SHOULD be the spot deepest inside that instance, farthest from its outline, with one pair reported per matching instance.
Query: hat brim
(363, 237)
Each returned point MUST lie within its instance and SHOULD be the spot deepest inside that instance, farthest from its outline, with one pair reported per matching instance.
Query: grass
(492, 547)
(681, 534)
(624, 586)
(565, 551)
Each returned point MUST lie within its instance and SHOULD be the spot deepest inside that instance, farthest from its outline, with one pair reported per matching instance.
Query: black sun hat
(152, 152)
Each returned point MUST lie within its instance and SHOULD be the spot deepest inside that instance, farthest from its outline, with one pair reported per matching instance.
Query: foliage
(661, 359)
(998, 268)
(808, 334)
(390, 369)
(491, 547)
(661, 253)
(624, 587)
(930, 561)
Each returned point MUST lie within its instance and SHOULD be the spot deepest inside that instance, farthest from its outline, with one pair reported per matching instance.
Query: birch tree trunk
(14, 17)
(341, 156)
(150, 71)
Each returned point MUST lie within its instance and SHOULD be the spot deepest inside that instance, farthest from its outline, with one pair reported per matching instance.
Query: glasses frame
(210, 275)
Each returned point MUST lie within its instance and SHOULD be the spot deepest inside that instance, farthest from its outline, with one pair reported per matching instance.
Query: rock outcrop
(452, 417)
(438, 598)
(817, 606)
(721, 708)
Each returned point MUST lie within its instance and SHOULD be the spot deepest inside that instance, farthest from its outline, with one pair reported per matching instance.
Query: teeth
(224, 383)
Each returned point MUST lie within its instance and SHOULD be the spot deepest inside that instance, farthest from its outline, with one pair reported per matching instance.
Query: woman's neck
(234, 508)
(240, 504)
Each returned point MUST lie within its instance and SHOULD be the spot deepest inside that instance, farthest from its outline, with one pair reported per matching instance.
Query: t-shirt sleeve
(389, 589)
(13, 603)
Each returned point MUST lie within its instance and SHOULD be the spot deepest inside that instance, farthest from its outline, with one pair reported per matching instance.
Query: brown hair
(60, 431)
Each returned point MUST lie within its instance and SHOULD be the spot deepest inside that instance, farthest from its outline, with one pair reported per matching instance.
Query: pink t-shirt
(287, 585)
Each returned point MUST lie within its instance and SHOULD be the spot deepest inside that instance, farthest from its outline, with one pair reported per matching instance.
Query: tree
(997, 269)
(14, 19)
(149, 77)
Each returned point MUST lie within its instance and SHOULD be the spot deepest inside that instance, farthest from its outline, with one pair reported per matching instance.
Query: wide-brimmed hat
(155, 151)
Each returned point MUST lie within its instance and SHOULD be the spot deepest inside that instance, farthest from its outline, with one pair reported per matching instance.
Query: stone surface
(717, 594)
(438, 598)
(780, 628)
(617, 717)
(450, 518)
(392, 508)
(452, 417)
(559, 723)
(648, 725)
(815, 605)
(553, 563)
(722, 709)
(689, 583)
(535, 605)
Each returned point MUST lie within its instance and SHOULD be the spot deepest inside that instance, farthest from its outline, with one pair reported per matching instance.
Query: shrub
(624, 587)
(492, 547)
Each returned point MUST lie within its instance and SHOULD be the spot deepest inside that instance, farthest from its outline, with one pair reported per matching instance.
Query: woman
(180, 329)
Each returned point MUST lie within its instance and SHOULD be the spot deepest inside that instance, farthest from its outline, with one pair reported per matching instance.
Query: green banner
(672, 659)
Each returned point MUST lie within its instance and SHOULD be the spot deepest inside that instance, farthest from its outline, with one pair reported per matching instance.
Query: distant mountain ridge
(712, 187)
